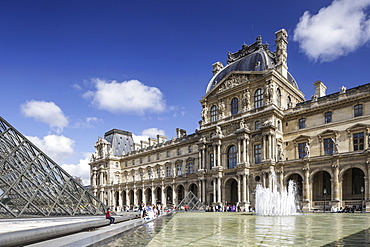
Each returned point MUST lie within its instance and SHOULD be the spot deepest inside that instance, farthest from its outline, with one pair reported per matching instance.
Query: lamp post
(362, 197)
(324, 199)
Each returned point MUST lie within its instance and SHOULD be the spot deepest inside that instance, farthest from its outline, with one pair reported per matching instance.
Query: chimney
(320, 89)
(161, 138)
(281, 52)
(180, 133)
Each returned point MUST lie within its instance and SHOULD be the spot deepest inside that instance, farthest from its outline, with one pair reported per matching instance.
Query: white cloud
(88, 122)
(145, 134)
(81, 170)
(46, 112)
(335, 30)
(58, 148)
(126, 97)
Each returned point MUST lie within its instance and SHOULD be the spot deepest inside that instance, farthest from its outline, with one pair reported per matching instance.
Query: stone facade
(256, 128)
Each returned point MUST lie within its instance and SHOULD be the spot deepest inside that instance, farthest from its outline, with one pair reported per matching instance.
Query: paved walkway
(92, 236)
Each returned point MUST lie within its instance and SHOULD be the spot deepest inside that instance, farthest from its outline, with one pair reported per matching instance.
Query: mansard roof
(256, 57)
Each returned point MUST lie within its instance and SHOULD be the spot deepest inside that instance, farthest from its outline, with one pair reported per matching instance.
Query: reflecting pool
(238, 229)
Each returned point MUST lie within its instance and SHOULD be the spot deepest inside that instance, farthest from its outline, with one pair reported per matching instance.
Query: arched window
(358, 110)
(257, 125)
(214, 113)
(234, 106)
(302, 123)
(278, 98)
(258, 98)
(289, 102)
(211, 160)
(231, 157)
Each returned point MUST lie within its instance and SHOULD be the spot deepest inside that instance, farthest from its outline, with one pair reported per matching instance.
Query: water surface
(238, 229)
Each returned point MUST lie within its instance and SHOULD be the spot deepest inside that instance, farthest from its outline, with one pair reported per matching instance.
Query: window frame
(257, 155)
(302, 123)
(213, 114)
(358, 110)
(232, 157)
(328, 117)
(258, 98)
(234, 106)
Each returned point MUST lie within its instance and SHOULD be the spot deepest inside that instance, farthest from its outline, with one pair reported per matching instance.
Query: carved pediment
(301, 138)
(358, 126)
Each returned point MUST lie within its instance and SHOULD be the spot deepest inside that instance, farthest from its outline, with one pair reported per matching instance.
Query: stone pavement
(76, 231)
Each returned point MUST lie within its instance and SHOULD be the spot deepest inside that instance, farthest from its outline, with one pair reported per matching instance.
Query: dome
(256, 57)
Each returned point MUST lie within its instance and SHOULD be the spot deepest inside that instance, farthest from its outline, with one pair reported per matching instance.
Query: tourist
(109, 216)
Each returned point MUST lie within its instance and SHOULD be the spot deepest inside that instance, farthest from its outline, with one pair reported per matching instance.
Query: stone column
(214, 190)
(219, 189)
(239, 151)
(174, 195)
(154, 202)
(244, 188)
(203, 158)
(93, 179)
(219, 154)
(204, 194)
(163, 195)
(120, 200)
(135, 197)
(128, 203)
(239, 187)
(101, 178)
(336, 183)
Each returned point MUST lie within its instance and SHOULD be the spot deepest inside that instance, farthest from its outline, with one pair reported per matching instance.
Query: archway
(180, 193)
(353, 187)
(158, 193)
(194, 188)
(139, 194)
(124, 201)
(116, 198)
(148, 196)
(298, 182)
(131, 197)
(231, 191)
(321, 190)
(169, 195)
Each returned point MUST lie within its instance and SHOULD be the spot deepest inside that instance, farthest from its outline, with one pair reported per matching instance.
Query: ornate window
(190, 167)
(150, 172)
(148, 158)
(328, 146)
(214, 114)
(258, 98)
(158, 172)
(190, 149)
(211, 160)
(289, 102)
(278, 98)
(328, 117)
(302, 150)
(168, 168)
(178, 151)
(234, 106)
(257, 125)
(302, 123)
(358, 110)
(231, 157)
(358, 141)
(141, 175)
(179, 169)
(257, 153)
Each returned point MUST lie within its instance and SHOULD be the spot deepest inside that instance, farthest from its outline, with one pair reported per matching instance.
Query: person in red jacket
(109, 216)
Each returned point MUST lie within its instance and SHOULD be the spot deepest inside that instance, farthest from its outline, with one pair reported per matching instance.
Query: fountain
(270, 201)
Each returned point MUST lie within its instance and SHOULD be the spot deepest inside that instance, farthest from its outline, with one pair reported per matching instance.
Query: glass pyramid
(32, 184)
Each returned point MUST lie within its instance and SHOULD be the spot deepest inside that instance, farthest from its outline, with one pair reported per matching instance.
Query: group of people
(346, 209)
(223, 208)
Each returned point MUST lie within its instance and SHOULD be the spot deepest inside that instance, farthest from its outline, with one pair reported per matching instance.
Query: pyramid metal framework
(32, 184)
(191, 201)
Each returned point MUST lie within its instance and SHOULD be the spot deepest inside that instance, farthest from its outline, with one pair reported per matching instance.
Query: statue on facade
(335, 144)
(218, 130)
(245, 100)
(307, 150)
(221, 108)
(204, 113)
(342, 90)
(268, 93)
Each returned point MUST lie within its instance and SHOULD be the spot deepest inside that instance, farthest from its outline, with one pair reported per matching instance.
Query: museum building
(256, 128)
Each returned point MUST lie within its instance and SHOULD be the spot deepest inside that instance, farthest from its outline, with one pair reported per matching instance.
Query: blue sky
(72, 70)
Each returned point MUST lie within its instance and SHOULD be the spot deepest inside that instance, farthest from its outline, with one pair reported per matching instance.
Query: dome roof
(256, 57)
